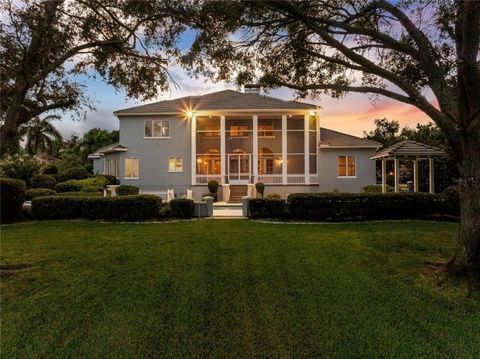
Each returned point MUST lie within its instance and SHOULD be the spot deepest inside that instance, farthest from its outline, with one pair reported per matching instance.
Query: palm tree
(95, 139)
(41, 136)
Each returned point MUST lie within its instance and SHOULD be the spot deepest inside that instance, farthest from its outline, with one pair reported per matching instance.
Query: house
(238, 139)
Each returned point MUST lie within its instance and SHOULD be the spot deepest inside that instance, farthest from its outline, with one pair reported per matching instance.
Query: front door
(239, 168)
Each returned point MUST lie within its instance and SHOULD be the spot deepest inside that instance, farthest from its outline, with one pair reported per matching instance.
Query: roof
(334, 139)
(114, 147)
(221, 100)
(409, 148)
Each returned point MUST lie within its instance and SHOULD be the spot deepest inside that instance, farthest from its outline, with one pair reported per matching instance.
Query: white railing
(270, 179)
(204, 179)
(313, 179)
(295, 179)
(165, 195)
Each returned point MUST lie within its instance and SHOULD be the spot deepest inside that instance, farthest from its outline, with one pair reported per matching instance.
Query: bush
(43, 181)
(376, 188)
(214, 195)
(126, 189)
(182, 207)
(38, 192)
(50, 169)
(353, 206)
(274, 196)
(127, 208)
(165, 211)
(75, 173)
(69, 186)
(260, 187)
(12, 192)
(93, 188)
(20, 166)
(80, 194)
(213, 186)
(266, 208)
(99, 182)
(111, 180)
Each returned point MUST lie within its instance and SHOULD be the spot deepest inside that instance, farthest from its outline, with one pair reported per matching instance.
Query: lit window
(175, 164)
(265, 130)
(346, 166)
(131, 168)
(157, 128)
(238, 131)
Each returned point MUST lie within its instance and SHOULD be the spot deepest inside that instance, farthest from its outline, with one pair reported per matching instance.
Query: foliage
(68, 186)
(20, 166)
(124, 190)
(75, 173)
(43, 181)
(38, 192)
(91, 184)
(95, 139)
(50, 169)
(386, 132)
(12, 192)
(127, 208)
(41, 136)
(274, 196)
(260, 187)
(210, 194)
(213, 186)
(68, 158)
(353, 206)
(111, 180)
(80, 193)
(182, 207)
(266, 208)
(376, 188)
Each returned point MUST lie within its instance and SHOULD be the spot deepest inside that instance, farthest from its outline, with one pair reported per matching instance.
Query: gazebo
(410, 151)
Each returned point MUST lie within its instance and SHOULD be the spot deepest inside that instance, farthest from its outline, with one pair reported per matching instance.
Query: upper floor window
(265, 131)
(131, 168)
(157, 128)
(346, 166)
(175, 164)
(238, 131)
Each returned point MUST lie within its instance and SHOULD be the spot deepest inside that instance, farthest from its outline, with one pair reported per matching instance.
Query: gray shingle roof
(113, 147)
(332, 139)
(409, 148)
(221, 100)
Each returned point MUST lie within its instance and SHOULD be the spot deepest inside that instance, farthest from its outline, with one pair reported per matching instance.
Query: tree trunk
(467, 255)
(9, 141)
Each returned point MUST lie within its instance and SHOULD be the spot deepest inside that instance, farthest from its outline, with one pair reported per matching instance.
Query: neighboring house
(237, 139)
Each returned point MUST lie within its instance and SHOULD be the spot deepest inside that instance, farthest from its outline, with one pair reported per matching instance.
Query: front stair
(237, 192)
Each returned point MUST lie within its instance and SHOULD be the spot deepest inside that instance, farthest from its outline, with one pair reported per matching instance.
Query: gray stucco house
(238, 139)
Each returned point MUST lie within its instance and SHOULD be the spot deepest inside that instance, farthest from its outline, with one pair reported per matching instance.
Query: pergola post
(396, 174)
(384, 175)
(431, 180)
(415, 174)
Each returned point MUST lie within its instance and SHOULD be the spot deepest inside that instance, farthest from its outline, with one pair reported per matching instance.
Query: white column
(284, 149)
(415, 175)
(255, 149)
(223, 164)
(193, 136)
(396, 174)
(306, 148)
(384, 175)
(431, 177)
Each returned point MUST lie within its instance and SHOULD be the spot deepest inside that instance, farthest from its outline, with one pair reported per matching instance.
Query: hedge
(356, 206)
(38, 192)
(376, 188)
(111, 180)
(125, 208)
(80, 194)
(266, 208)
(182, 207)
(76, 173)
(43, 181)
(126, 189)
(12, 192)
(50, 169)
(91, 184)
(68, 186)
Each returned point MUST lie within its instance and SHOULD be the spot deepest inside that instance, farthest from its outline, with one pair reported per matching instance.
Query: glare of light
(199, 160)
(189, 114)
(312, 113)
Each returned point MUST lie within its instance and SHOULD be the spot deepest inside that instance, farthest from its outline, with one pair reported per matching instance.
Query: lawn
(226, 288)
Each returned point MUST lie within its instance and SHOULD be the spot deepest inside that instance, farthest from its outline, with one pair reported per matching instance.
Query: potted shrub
(213, 189)
(260, 187)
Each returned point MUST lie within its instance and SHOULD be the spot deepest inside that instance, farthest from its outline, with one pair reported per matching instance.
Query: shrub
(92, 188)
(50, 169)
(126, 208)
(98, 182)
(126, 189)
(213, 186)
(376, 188)
(351, 206)
(112, 180)
(214, 195)
(182, 207)
(38, 192)
(76, 173)
(43, 181)
(69, 186)
(12, 192)
(68, 159)
(274, 196)
(165, 211)
(260, 187)
(266, 208)
(80, 194)
(20, 166)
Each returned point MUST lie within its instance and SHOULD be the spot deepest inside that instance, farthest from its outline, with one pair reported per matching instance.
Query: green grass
(214, 288)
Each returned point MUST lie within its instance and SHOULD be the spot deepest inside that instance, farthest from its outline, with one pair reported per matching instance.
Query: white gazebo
(409, 151)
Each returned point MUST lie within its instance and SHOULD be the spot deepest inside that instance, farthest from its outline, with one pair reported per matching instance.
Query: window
(131, 168)
(112, 167)
(265, 131)
(238, 131)
(346, 166)
(157, 128)
(175, 164)
(211, 131)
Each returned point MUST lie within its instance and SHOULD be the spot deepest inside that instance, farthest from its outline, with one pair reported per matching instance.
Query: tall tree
(41, 136)
(385, 132)
(402, 50)
(46, 46)
(96, 138)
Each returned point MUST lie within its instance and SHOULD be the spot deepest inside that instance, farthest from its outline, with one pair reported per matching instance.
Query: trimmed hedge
(125, 208)
(358, 206)
(266, 208)
(68, 186)
(126, 190)
(38, 192)
(91, 184)
(75, 173)
(111, 180)
(50, 169)
(182, 207)
(43, 181)
(376, 188)
(81, 194)
(12, 196)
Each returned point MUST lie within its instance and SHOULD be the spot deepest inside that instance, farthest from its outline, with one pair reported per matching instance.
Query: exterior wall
(153, 154)
(98, 165)
(328, 170)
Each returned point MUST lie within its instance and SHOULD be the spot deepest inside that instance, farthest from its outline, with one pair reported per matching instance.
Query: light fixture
(199, 160)
(189, 114)
(312, 113)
